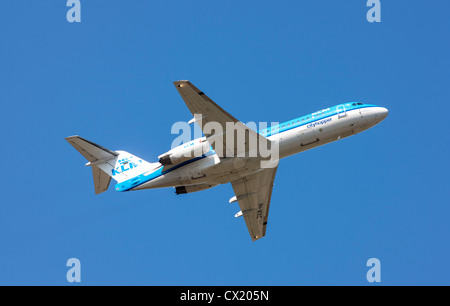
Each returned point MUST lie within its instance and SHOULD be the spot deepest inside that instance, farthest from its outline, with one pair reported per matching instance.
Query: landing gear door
(340, 109)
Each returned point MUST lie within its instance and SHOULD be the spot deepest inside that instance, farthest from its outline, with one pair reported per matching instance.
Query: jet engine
(184, 152)
(192, 188)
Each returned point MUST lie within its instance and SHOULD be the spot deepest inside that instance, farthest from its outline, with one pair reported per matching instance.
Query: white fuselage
(211, 170)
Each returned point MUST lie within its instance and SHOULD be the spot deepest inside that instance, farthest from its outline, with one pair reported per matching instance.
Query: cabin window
(360, 103)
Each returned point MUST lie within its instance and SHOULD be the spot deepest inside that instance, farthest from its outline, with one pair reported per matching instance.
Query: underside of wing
(228, 136)
(253, 193)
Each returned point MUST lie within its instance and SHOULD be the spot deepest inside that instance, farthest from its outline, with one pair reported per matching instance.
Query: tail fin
(107, 164)
(101, 180)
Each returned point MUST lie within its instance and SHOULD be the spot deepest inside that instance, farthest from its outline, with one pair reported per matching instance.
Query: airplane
(219, 160)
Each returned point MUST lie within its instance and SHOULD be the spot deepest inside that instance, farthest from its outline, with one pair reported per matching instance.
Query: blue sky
(382, 193)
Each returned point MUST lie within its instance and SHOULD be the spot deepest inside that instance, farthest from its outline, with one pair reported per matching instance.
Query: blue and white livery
(219, 160)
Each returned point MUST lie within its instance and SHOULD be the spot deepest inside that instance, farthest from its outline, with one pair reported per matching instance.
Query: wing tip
(181, 82)
(69, 138)
(254, 238)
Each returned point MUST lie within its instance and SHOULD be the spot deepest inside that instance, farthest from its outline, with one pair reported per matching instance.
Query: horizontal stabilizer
(107, 164)
(101, 159)
(91, 151)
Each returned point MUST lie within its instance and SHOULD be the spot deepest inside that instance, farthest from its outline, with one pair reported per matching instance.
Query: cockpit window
(354, 104)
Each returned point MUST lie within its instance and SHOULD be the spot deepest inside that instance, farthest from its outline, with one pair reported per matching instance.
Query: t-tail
(107, 164)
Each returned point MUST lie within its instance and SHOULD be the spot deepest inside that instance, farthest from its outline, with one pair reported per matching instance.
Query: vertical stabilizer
(107, 164)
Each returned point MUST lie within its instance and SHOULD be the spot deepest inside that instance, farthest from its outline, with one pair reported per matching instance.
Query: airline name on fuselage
(125, 165)
(311, 125)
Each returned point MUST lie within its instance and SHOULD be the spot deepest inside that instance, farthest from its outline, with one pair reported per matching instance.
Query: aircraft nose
(383, 112)
(374, 115)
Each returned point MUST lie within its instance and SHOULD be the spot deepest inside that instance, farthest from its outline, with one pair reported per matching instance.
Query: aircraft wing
(205, 112)
(253, 193)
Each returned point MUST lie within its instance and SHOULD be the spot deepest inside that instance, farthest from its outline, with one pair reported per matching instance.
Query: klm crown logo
(126, 164)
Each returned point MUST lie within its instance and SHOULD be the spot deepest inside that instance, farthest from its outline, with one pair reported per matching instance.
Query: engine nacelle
(185, 152)
(192, 188)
